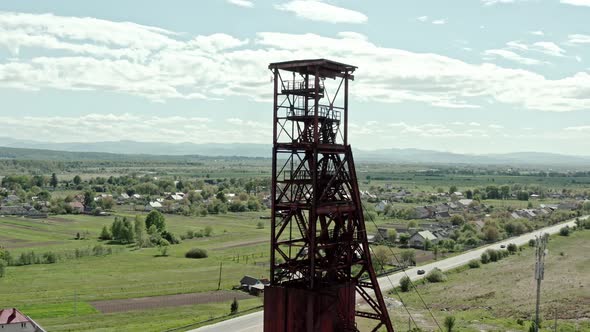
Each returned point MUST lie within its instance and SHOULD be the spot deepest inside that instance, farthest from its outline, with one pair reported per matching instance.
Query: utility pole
(219, 283)
(540, 253)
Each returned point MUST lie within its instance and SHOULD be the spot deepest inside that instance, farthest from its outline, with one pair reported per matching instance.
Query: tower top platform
(326, 68)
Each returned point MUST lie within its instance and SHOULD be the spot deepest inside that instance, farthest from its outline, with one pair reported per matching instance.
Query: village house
(77, 207)
(12, 320)
(419, 239)
(153, 205)
(252, 285)
(11, 199)
(380, 207)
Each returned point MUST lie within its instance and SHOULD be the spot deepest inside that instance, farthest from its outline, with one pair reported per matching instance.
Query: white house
(419, 238)
(153, 205)
(12, 320)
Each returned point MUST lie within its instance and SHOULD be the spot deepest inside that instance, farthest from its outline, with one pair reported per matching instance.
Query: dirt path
(154, 302)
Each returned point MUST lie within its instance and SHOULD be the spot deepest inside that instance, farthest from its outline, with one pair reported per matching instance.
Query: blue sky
(477, 76)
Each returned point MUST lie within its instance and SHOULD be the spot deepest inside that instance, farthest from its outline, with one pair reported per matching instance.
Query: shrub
(208, 231)
(260, 225)
(435, 275)
(473, 264)
(105, 234)
(163, 247)
(565, 231)
(405, 283)
(196, 253)
(512, 248)
(49, 258)
(449, 323)
(171, 238)
(3, 265)
(485, 257)
(532, 242)
(494, 255)
(234, 307)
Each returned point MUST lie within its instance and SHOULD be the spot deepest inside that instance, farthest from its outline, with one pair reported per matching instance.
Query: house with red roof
(12, 320)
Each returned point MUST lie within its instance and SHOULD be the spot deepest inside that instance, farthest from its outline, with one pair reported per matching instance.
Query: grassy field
(60, 293)
(497, 295)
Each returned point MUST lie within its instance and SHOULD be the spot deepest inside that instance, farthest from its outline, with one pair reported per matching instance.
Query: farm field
(56, 293)
(497, 296)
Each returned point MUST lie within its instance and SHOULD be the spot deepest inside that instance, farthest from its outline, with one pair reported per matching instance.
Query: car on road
(421, 272)
(502, 246)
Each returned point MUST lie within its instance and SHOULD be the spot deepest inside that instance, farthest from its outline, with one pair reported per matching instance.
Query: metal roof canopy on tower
(326, 68)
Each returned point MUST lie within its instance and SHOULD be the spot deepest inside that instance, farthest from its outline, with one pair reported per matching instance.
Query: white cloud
(160, 65)
(109, 127)
(548, 48)
(495, 126)
(585, 129)
(317, 10)
(474, 124)
(509, 55)
(537, 33)
(585, 3)
(242, 3)
(495, 2)
(579, 39)
(425, 19)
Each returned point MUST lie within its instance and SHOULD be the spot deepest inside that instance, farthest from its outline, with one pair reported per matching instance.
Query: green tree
(53, 181)
(233, 309)
(452, 189)
(163, 246)
(77, 180)
(105, 234)
(457, 220)
(405, 283)
(408, 257)
(3, 265)
(128, 234)
(449, 323)
(208, 231)
(505, 192)
(88, 199)
(157, 219)
(140, 232)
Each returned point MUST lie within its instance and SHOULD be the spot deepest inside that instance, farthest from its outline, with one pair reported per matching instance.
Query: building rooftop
(12, 316)
(326, 68)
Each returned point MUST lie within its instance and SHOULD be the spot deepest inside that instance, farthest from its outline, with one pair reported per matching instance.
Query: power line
(405, 273)
(396, 292)
(540, 253)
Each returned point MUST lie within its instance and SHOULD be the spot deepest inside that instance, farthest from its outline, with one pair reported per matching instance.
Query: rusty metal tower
(320, 256)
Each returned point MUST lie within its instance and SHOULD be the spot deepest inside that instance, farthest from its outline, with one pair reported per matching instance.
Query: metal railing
(300, 85)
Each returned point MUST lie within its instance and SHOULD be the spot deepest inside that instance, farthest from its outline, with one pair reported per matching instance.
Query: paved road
(253, 322)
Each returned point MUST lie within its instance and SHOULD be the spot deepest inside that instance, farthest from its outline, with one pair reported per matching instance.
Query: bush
(208, 231)
(473, 264)
(435, 275)
(512, 248)
(196, 253)
(485, 257)
(49, 258)
(234, 307)
(565, 231)
(494, 255)
(171, 238)
(405, 283)
(3, 265)
(260, 225)
(532, 242)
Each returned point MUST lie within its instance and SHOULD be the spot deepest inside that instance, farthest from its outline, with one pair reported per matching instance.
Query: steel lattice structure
(320, 256)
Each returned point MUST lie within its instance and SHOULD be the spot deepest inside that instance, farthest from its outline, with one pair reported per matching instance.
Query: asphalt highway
(253, 322)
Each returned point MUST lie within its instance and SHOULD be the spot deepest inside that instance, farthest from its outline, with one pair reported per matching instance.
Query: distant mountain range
(116, 150)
